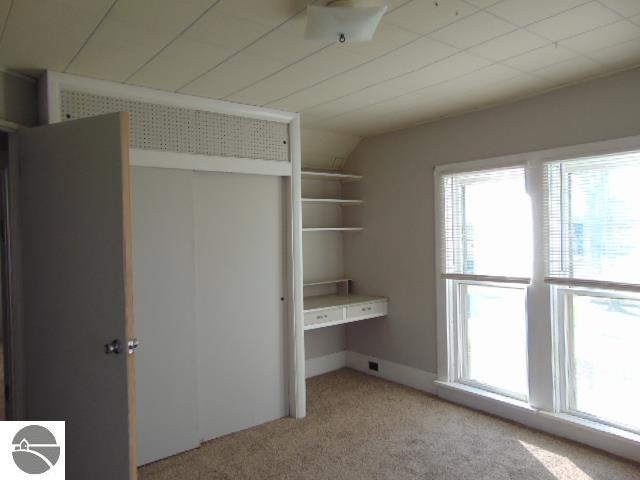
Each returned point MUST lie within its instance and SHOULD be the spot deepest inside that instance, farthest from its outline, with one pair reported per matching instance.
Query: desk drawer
(367, 310)
(323, 316)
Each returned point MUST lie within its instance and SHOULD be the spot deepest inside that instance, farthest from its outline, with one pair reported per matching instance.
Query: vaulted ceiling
(429, 58)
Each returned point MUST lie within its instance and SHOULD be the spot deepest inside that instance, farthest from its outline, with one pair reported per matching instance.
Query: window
(593, 255)
(540, 295)
(487, 258)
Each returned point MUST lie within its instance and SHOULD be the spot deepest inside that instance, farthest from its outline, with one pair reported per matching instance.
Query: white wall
(395, 254)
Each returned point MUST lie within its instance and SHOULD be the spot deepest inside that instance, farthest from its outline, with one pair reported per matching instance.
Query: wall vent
(183, 130)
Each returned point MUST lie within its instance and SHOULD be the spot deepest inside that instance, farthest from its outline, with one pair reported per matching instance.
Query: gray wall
(395, 254)
(18, 99)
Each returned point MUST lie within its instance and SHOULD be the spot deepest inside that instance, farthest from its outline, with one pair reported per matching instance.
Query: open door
(77, 290)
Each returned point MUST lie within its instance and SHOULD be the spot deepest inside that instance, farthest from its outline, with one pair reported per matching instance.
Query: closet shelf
(333, 229)
(328, 175)
(310, 283)
(331, 201)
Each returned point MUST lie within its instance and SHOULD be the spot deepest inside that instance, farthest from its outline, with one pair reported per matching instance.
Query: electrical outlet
(373, 366)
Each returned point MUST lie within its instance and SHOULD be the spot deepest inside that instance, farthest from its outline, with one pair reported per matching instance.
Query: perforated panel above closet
(183, 130)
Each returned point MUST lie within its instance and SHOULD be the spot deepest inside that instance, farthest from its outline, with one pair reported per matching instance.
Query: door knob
(113, 347)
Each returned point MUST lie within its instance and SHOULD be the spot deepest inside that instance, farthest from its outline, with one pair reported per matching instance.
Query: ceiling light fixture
(344, 21)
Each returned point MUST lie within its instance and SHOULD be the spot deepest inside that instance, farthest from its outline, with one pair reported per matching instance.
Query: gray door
(77, 293)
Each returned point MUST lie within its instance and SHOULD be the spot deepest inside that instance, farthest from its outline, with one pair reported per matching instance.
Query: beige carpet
(360, 427)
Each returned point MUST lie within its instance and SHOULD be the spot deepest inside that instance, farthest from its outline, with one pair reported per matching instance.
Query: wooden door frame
(51, 84)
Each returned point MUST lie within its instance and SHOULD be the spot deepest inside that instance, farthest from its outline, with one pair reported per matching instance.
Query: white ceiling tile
(237, 72)
(540, 58)
(625, 8)
(441, 71)
(179, 63)
(571, 71)
(602, 37)
(424, 16)
(387, 38)
(115, 51)
(353, 101)
(226, 30)
(158, 16)
(472, 82)
(524, 12)
(46, 35)
(482, 3)
(635, 19)
(268, 12)
(281, 45)
(509, 45)
(472, 30)
(131, 34)
(332, 60)
(5, 5)
(622, 55)
(296, 25)
(574, 21)
(291, 79)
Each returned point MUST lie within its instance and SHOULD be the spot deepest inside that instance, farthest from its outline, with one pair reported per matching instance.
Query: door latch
(132, 345)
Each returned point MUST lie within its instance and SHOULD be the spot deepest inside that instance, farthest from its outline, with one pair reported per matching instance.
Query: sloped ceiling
(429, 58)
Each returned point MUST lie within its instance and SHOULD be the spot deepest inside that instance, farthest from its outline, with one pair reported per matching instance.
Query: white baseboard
(394, 372)
(328, 363)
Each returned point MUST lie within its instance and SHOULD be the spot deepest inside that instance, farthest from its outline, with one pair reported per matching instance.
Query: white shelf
(328, 175)
(326, 282)
(332, 201)
(321, 302)
(333, 229)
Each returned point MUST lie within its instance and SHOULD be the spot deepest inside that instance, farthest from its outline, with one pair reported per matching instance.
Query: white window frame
(455, 309)
(545, 408)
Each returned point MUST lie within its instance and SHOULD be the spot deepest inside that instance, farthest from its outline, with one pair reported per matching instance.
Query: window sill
(478, 392)
(592, 426)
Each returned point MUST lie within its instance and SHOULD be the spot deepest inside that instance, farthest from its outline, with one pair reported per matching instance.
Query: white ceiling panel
(354, 101)
(540, 58)
(226, 30)
(441, 71)
(332, 60)
(602, 37)
(571, 70)
(472, 30)
(387, 38)
(575, 21)
(509, 45)
(237, 72)
(626, 8)
(635, 19)
(267, 12)
(39, 35)
(524, 12)
(179, 63)
(482, 3)
(622, 55)
(284, 46)
(292, 78)
(131, 34)
(425, 16)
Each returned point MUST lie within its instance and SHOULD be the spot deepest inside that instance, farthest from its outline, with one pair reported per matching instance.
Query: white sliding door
(241, 329)
(164, 284)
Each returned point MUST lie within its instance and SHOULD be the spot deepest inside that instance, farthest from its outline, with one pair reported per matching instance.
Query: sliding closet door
(239, 257)
(163, 262)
